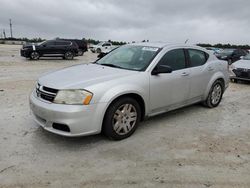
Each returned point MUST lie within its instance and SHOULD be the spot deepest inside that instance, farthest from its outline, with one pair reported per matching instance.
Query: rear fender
(216, 76)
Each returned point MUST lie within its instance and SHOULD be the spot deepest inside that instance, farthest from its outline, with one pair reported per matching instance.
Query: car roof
(163, 45)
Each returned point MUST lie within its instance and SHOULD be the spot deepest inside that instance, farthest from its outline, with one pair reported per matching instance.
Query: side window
(106, 44)
(62, 43)
(50, 43)
(174, 59)
(197, 57)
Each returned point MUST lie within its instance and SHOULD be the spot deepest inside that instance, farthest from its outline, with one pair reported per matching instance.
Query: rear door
(170, 89)
(201, 72)
(61, 47)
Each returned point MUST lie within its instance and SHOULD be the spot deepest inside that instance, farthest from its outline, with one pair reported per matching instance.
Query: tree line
(91, 41)
(225, 46)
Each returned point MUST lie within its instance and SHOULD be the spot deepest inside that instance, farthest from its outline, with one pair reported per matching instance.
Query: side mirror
(161, 69)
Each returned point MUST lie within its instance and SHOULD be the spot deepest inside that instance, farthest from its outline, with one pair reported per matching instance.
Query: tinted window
(62, 43)
(174, 59)
(49, 43)
(197, 58)
(106, 44)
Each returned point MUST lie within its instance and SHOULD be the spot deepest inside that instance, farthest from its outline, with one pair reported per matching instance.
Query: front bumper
(24, 53)
(240, 74)
(80, 119)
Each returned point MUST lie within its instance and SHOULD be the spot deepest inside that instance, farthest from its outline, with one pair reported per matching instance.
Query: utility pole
(11, 29)
(4, 35)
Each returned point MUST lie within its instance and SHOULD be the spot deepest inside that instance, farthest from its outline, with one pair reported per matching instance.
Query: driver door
(170, 90)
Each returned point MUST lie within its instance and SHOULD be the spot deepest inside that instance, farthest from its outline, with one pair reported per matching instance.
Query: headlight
(73, 97)
(231, 68)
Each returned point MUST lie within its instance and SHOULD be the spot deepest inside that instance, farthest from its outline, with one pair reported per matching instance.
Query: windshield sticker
(152, 49)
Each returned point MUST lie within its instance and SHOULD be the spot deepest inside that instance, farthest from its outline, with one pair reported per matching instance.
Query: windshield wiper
(112, 65)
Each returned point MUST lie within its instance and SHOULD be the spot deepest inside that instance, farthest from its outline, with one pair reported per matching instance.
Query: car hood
(82, 76)
(244, 64)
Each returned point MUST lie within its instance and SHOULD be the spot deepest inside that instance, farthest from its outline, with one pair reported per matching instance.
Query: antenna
(11, 29)
(186, 41)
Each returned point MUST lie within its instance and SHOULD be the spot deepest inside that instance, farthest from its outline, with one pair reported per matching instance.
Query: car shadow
(76, 143)
(242, 82)
(52, 59)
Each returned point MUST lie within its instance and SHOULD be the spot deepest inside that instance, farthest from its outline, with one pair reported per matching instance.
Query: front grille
(242, 73)
(46, 93)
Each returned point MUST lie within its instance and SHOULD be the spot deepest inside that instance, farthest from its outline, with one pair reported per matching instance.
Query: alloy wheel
(124, 119)
(216, 94)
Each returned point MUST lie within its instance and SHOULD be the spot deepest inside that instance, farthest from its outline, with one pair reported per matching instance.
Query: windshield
(100, 43)
(130, 57)
(247, 57)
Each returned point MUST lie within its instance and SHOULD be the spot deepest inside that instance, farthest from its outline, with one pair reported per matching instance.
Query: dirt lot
(191, 147)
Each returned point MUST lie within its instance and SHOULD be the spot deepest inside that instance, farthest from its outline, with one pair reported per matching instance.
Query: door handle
(210, 69)
(184, 74)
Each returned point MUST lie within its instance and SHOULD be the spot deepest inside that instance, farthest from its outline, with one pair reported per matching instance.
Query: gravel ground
(192, 147)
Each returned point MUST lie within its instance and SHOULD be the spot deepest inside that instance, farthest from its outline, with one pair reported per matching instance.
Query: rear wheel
(215, 95)
(121, 118)
(34, 56)
(80, 52)
(69, 55)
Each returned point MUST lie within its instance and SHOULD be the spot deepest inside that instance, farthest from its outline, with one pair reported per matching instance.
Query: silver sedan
(132, 82)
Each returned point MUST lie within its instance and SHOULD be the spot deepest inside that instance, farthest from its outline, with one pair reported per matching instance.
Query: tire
(116, 123)
(234, 80)
(98, 50)
(215, 95)
(80, 52)
(34, 55)
(69, 55)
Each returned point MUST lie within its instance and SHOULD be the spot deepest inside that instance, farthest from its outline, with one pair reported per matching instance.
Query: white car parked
(102, 47)
(130, 83)
(240, 70)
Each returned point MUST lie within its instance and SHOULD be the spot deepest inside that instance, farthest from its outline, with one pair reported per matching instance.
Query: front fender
(117, 91)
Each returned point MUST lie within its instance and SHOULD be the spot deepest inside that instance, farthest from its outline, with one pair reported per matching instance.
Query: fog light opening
(61, 127)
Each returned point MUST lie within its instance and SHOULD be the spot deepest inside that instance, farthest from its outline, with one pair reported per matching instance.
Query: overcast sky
(210, 21)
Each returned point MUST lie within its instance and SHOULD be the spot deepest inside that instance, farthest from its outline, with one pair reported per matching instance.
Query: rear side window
(174, 59)
(197, 57)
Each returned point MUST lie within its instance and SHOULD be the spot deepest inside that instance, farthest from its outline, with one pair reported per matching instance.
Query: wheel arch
(217, 76)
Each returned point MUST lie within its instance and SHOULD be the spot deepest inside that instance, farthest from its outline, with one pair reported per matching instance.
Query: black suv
(82, 45)
(50, 48)
(231, 55)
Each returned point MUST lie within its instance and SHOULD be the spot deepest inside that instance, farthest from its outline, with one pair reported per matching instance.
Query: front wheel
(98, 50)
(121, 118)
(69, 55)
(34, 56)
(215, 95)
